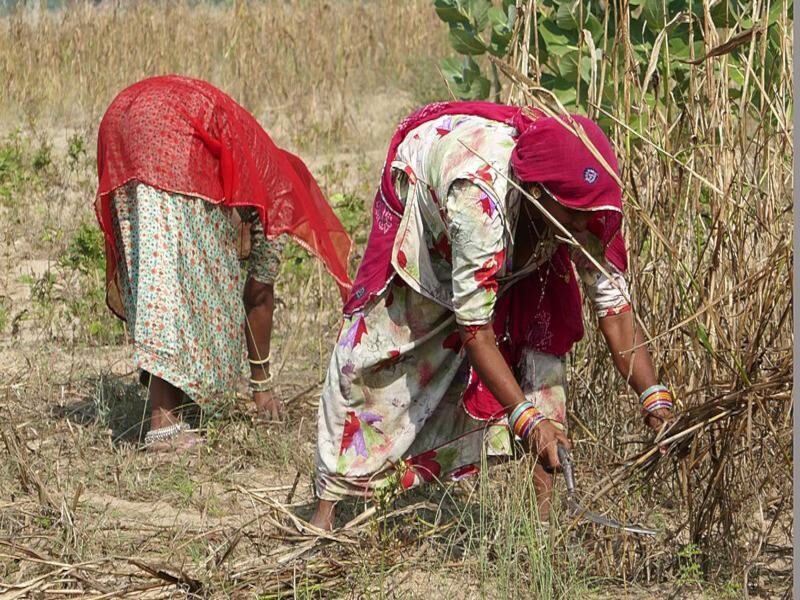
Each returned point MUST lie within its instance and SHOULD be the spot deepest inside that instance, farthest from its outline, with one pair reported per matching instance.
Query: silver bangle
(261, 385)
(259, 362)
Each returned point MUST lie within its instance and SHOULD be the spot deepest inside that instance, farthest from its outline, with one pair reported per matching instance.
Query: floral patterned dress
(181, 284)
(391, 411)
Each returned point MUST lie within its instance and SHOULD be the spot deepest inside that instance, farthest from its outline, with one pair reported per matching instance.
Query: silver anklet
(165, 433)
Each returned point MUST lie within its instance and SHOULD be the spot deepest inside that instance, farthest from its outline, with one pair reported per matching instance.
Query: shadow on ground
(119, 404)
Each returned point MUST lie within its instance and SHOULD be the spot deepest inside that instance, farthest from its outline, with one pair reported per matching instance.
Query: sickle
(577, 511)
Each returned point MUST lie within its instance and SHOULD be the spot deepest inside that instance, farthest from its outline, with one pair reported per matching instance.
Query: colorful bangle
(657, 400)
(531, 425)
(657, 397)
(518, 410)
(524, 418)
(523, 421)
(651, 390)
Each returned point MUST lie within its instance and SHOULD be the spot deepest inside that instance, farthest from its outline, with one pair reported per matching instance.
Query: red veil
(185, 136)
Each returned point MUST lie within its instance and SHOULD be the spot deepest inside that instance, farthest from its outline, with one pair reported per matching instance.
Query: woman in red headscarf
(466, 302)
(185, 174)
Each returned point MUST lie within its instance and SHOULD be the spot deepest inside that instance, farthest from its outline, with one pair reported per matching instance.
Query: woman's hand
(622, 336)
(268, 406)
(661, 421)
(543, 442)
(497, 376)
(656, 420)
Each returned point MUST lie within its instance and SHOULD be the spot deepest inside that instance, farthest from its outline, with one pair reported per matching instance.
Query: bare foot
(324, 515)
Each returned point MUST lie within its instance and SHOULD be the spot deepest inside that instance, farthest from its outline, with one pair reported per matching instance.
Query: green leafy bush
(578, 46)
(13, 170)
(86, 250)
(476, 27)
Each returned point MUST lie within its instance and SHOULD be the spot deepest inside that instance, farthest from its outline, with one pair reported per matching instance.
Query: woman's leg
(165, 399)
(178, 280)
(324, 515)
(543, 486)
(168, 432)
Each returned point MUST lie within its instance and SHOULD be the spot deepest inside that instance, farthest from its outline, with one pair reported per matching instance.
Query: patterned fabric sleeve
(608, 296)
(264, 261)
(476, 231)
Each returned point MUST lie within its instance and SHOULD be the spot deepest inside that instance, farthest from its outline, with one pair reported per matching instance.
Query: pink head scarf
(550, 152)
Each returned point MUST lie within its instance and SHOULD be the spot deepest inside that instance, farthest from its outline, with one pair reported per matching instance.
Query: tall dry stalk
(708, 194)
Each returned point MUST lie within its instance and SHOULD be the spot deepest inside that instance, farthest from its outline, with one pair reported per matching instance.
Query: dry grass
(303, 68)
(83, 514)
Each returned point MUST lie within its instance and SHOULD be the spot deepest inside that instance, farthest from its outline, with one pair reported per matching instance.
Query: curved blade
(577, 511)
